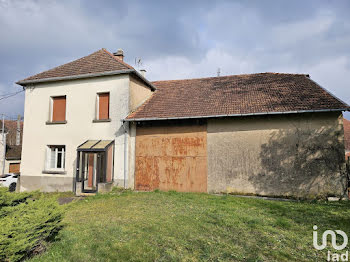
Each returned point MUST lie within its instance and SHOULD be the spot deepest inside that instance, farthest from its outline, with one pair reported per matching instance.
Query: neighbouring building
(14, 135)
(97, 122)
(10, 153)
(347, 138)
(3, 134)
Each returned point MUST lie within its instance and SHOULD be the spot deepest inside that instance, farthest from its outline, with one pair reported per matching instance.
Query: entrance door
(91, 171)
(95, 165)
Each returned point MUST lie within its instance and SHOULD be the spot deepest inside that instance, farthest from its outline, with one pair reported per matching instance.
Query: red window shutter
(59, 109)
(103, 106)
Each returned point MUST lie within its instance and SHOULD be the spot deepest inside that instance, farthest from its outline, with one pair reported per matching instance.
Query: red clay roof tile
(235, 94)
(98, 62)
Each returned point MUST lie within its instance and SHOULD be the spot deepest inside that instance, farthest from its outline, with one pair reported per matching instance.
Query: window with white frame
(55, 158)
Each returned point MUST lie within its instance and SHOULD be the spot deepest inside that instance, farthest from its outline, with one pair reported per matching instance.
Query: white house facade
(60, 116)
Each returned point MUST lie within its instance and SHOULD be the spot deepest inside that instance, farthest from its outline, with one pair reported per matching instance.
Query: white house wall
(80, 113)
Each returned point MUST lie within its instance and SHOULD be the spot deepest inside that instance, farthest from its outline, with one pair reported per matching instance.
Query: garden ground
(170, 226)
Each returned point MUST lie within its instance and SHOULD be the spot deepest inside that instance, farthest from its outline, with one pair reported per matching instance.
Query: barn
(262, 134)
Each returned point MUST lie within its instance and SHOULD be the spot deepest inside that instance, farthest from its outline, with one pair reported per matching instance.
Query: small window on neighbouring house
(55, 158)
(103, 106)
(58, 112)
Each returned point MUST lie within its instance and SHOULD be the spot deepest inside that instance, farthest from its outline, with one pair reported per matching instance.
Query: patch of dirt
(66, 200)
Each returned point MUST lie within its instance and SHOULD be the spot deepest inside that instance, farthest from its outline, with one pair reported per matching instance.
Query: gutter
(235, 115)
(63, 78)
(13, 158)
(153, 88)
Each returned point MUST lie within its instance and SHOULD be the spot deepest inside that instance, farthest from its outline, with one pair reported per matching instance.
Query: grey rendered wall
(299, 155)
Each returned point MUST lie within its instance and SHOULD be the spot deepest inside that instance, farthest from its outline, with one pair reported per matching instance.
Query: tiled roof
(347, 134)
(98, 62)
(11, 129)
(236, 95)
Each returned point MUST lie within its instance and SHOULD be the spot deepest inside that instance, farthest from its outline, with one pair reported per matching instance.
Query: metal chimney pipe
(143, 72)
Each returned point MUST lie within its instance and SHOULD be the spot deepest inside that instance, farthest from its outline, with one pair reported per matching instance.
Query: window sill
(101, 120)
(54, 172)
(56, 122)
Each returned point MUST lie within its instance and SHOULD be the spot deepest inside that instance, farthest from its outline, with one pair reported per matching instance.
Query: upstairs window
(58, 110)
(103, 106)
(55, 158)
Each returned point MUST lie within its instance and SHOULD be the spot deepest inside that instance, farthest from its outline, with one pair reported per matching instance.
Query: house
(3, 134)
(347, 138)
(10, 146)
(13, 145)
(97, 122)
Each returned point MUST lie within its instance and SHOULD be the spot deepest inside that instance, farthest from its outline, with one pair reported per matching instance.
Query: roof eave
(153, 88)
(109, 73)
(236, 115)
(13, 158)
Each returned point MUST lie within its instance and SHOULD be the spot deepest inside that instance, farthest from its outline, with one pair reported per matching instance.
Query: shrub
(27, 225)
(11, 199)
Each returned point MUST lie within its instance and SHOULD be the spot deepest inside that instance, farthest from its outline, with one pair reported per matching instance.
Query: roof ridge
(329, 93)
(116, 59)
(100, 61)
(211, 77)
(56, 67)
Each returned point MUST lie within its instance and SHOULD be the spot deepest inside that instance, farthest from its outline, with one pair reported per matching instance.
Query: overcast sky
(178, 39)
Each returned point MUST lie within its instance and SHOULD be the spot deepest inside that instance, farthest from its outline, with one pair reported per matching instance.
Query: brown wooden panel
(172, 158)
(103, 106)
(59, 108)
(14, 167)
(90, 170)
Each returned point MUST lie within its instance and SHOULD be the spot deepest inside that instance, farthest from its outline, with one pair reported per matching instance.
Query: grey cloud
(178, 39)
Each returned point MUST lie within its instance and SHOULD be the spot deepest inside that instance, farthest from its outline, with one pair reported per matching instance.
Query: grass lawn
(169, 226)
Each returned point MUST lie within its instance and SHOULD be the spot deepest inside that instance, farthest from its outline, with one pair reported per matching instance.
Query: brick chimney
(119, 54)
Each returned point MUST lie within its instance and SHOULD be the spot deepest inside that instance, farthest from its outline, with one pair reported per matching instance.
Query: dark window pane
(59, 159)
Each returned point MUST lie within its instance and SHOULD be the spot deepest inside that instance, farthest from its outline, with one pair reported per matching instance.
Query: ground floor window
(55, 158)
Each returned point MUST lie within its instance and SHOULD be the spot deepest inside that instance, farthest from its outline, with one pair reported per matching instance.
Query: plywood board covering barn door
(171, 158)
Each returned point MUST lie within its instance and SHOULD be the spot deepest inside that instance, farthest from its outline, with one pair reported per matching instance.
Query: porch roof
(95, 145)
